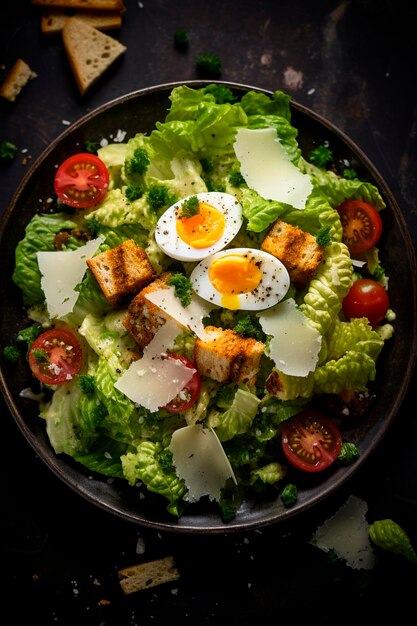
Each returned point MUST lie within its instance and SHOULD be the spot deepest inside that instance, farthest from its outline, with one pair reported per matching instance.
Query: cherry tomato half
(362, 225)
(191, 392)
(366, 298)
(311, 441)
(55, 357)
(82, 180)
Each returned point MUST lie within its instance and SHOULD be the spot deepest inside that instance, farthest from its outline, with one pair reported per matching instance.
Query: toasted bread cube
(122, 271)
(225, 356)
(296, 249)
(143, 317)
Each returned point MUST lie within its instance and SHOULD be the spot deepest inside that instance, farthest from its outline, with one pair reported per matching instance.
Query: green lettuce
(39, 235)
(144, 465)
(323, 300)
(238, 418)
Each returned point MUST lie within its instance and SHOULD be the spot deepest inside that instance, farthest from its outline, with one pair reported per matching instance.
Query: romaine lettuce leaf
(326, 291)
(39, 235)
(143, 465)
(238, 418)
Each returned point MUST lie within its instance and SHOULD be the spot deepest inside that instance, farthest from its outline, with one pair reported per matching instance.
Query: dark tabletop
(354, 62)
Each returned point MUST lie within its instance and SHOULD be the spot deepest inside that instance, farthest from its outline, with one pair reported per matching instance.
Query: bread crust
(96, 5)
(52, 22)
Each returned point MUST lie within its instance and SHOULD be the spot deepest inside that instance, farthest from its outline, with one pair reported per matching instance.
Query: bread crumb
(18, 76)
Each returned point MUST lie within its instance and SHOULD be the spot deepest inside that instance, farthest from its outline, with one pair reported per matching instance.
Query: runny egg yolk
(203, 229)
(232, 275)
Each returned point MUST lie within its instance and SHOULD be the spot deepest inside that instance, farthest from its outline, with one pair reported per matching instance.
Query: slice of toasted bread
(150, 574)
(89, 51)
(16, 79)
(95, 5)
(52, 22)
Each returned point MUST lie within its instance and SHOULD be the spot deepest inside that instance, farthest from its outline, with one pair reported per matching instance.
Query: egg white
(167, 238)
(274, 283)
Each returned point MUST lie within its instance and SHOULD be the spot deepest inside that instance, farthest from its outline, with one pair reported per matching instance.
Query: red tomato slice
(82, 180)
(310, 441)
(366, 298)
(362, 225)
(191, 392)
(55, 357)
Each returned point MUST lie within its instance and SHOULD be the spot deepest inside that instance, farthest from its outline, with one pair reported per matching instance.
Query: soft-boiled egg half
(241, 278)
(191, 235)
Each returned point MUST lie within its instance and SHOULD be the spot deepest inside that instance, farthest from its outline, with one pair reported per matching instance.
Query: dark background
(354, 62)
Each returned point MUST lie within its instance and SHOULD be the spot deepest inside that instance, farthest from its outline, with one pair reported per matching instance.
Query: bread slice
(89, 51)
(16, 79)
(95, 5)
(52, 22)
(146, 575)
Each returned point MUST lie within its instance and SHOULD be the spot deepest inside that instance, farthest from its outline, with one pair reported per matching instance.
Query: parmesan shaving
(190, 317)
(62, 271)
(266, 168)
(153, 381)
(347, 534)
(294, 344)
(200, 461)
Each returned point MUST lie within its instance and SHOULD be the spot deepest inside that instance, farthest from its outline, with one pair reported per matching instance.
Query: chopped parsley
(323, 236)
(181, 40)
(209, 65)
(139, 163)
(182, 288)
(321, 156)
(190, 207)
(87, 384)
(8, 151)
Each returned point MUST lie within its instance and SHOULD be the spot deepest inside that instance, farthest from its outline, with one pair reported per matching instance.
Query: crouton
(122, 271)
(144, 318)
(145, 575)
(296, 249)
(225, 356)
(18, 76)
(275, 386)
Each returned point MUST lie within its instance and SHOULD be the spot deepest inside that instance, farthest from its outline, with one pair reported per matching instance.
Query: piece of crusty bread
(296, 249)
(18, 76)
(52, 22)
(89, 51)
(96, 5)
(122, 271)
(146, 575)
(144, 318)
(225, 356)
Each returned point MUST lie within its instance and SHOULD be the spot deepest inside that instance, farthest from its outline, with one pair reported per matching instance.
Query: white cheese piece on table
(294, 344)
(266, 168)
(62, 271)
(200, 461)
(347, 533)
(191, 316)
(153, 381)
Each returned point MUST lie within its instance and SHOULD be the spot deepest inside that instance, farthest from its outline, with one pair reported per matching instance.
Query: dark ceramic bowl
(138, 112)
